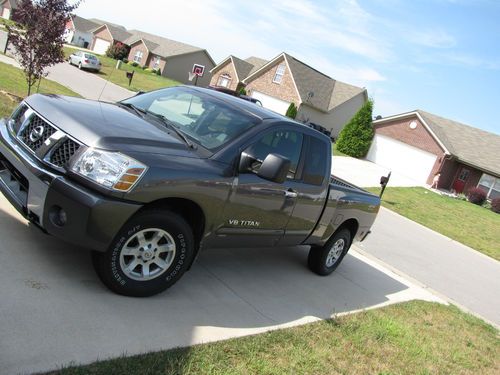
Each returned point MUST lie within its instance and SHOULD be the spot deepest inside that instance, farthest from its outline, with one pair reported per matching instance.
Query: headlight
(110, 169)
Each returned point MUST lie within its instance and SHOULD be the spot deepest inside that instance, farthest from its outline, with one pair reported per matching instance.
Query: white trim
(413, 113)
(265, 66)
(221, 63)
(293, 80)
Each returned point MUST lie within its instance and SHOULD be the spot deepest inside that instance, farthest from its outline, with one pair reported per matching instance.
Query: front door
(258, 210)
(461, 180)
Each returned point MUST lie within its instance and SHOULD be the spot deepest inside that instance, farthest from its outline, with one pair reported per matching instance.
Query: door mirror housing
(274, 168)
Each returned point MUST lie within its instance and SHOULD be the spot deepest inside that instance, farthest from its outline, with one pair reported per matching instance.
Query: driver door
(258, 210)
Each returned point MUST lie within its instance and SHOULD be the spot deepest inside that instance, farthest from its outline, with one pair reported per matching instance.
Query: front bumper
(39, 194)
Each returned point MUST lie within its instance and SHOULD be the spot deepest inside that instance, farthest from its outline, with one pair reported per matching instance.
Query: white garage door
(407, 160)
(101, 46)
(269, 102)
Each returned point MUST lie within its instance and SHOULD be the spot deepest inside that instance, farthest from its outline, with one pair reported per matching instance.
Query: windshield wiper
(173, 127)
(141, 112)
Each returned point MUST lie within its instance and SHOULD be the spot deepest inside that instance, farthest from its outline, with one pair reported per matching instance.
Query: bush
(117, 51)
(158, 72)
(477, 196)
(144, 67)
(291, 111)
(134, 64)
(242, 91)
(125, 61)
(356, 137)
(495, 205)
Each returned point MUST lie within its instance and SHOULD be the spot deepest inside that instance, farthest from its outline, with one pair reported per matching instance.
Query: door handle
(290, 193)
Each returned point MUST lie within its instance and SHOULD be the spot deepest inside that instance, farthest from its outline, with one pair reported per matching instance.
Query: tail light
(86, 61)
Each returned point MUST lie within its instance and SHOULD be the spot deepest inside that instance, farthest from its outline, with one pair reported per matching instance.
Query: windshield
(206, 120)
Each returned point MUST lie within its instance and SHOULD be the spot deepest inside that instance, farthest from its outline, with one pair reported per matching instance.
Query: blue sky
(442, 56)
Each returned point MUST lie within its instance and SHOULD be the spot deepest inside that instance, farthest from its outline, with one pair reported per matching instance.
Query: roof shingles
(470, 145)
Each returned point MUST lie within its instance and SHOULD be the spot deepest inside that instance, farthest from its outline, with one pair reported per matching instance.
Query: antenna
(109, 77)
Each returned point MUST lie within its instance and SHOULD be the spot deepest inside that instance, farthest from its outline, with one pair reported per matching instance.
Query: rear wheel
(150, 253)
(80, 66)
(323, 260)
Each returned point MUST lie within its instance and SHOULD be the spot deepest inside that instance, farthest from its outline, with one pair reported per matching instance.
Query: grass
(12, 81)
(462, 221)
(336, 152)
(411, 338)
(142, 81)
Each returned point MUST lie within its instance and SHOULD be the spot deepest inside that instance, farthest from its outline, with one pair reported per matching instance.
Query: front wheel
(324, 260)
(150, 253)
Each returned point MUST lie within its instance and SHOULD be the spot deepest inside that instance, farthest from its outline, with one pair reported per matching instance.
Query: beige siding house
(174, 59)
(231, 71)
(6, 8)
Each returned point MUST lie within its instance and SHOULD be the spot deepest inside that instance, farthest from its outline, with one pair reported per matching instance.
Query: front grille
(36, 133)
(63, 153)
(18, 117)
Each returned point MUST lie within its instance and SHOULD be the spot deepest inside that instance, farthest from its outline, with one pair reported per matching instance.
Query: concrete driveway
(365, 173)
(88, 84)
(54, 310)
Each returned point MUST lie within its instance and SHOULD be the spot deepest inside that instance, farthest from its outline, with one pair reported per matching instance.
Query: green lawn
(462, 221)
(142, 81)
(411, 338)
(12, 81)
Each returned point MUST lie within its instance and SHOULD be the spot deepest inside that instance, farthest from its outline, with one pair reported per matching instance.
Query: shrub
(495, 205)
(125, 61)
(158, 72)
(117, 51)
(356, 137)
(291, 111)
(477, 196)
(134, 64)
(242, 91)
(144, 67)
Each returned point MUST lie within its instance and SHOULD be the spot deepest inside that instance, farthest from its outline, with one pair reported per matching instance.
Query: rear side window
(316, 163)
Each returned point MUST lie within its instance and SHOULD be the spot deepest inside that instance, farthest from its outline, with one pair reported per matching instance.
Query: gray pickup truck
(148, 182)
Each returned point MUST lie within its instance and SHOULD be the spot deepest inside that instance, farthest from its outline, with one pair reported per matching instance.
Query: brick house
(106, 35)
(419, 144)
(6, 8)
(174, 59)
(284, 80)
(231, 71)
(78, 31)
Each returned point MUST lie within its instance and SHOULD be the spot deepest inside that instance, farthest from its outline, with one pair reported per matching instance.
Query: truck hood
(107, 126)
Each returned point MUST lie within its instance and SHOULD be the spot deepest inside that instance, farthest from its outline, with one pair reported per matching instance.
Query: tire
(80, 66)
(324, 260)
(160, 247)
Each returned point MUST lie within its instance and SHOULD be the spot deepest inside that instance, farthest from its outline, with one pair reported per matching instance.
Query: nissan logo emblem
(36, 133)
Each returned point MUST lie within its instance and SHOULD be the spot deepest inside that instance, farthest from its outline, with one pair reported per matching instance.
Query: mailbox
(130, 75)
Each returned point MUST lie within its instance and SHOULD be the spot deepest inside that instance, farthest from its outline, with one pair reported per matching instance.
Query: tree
(38, 35)
(356, 137)
(117, 51)
(242, 91)
(291, 111)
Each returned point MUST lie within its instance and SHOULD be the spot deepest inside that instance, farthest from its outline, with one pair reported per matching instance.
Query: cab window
(282, 142)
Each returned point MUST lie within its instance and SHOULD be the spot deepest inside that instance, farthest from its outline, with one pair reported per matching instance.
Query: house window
(224, 80)
(280, 72)
(490, 184)
(138, 56)
(156, 62)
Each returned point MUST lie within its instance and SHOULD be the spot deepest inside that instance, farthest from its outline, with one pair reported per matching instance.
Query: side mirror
(274, 168)
(245, 162)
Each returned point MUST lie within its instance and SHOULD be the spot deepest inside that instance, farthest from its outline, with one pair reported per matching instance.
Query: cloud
(433, 39)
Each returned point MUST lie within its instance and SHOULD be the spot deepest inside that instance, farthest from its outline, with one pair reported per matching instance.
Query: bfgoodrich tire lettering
(132, 266)
(324, 260)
